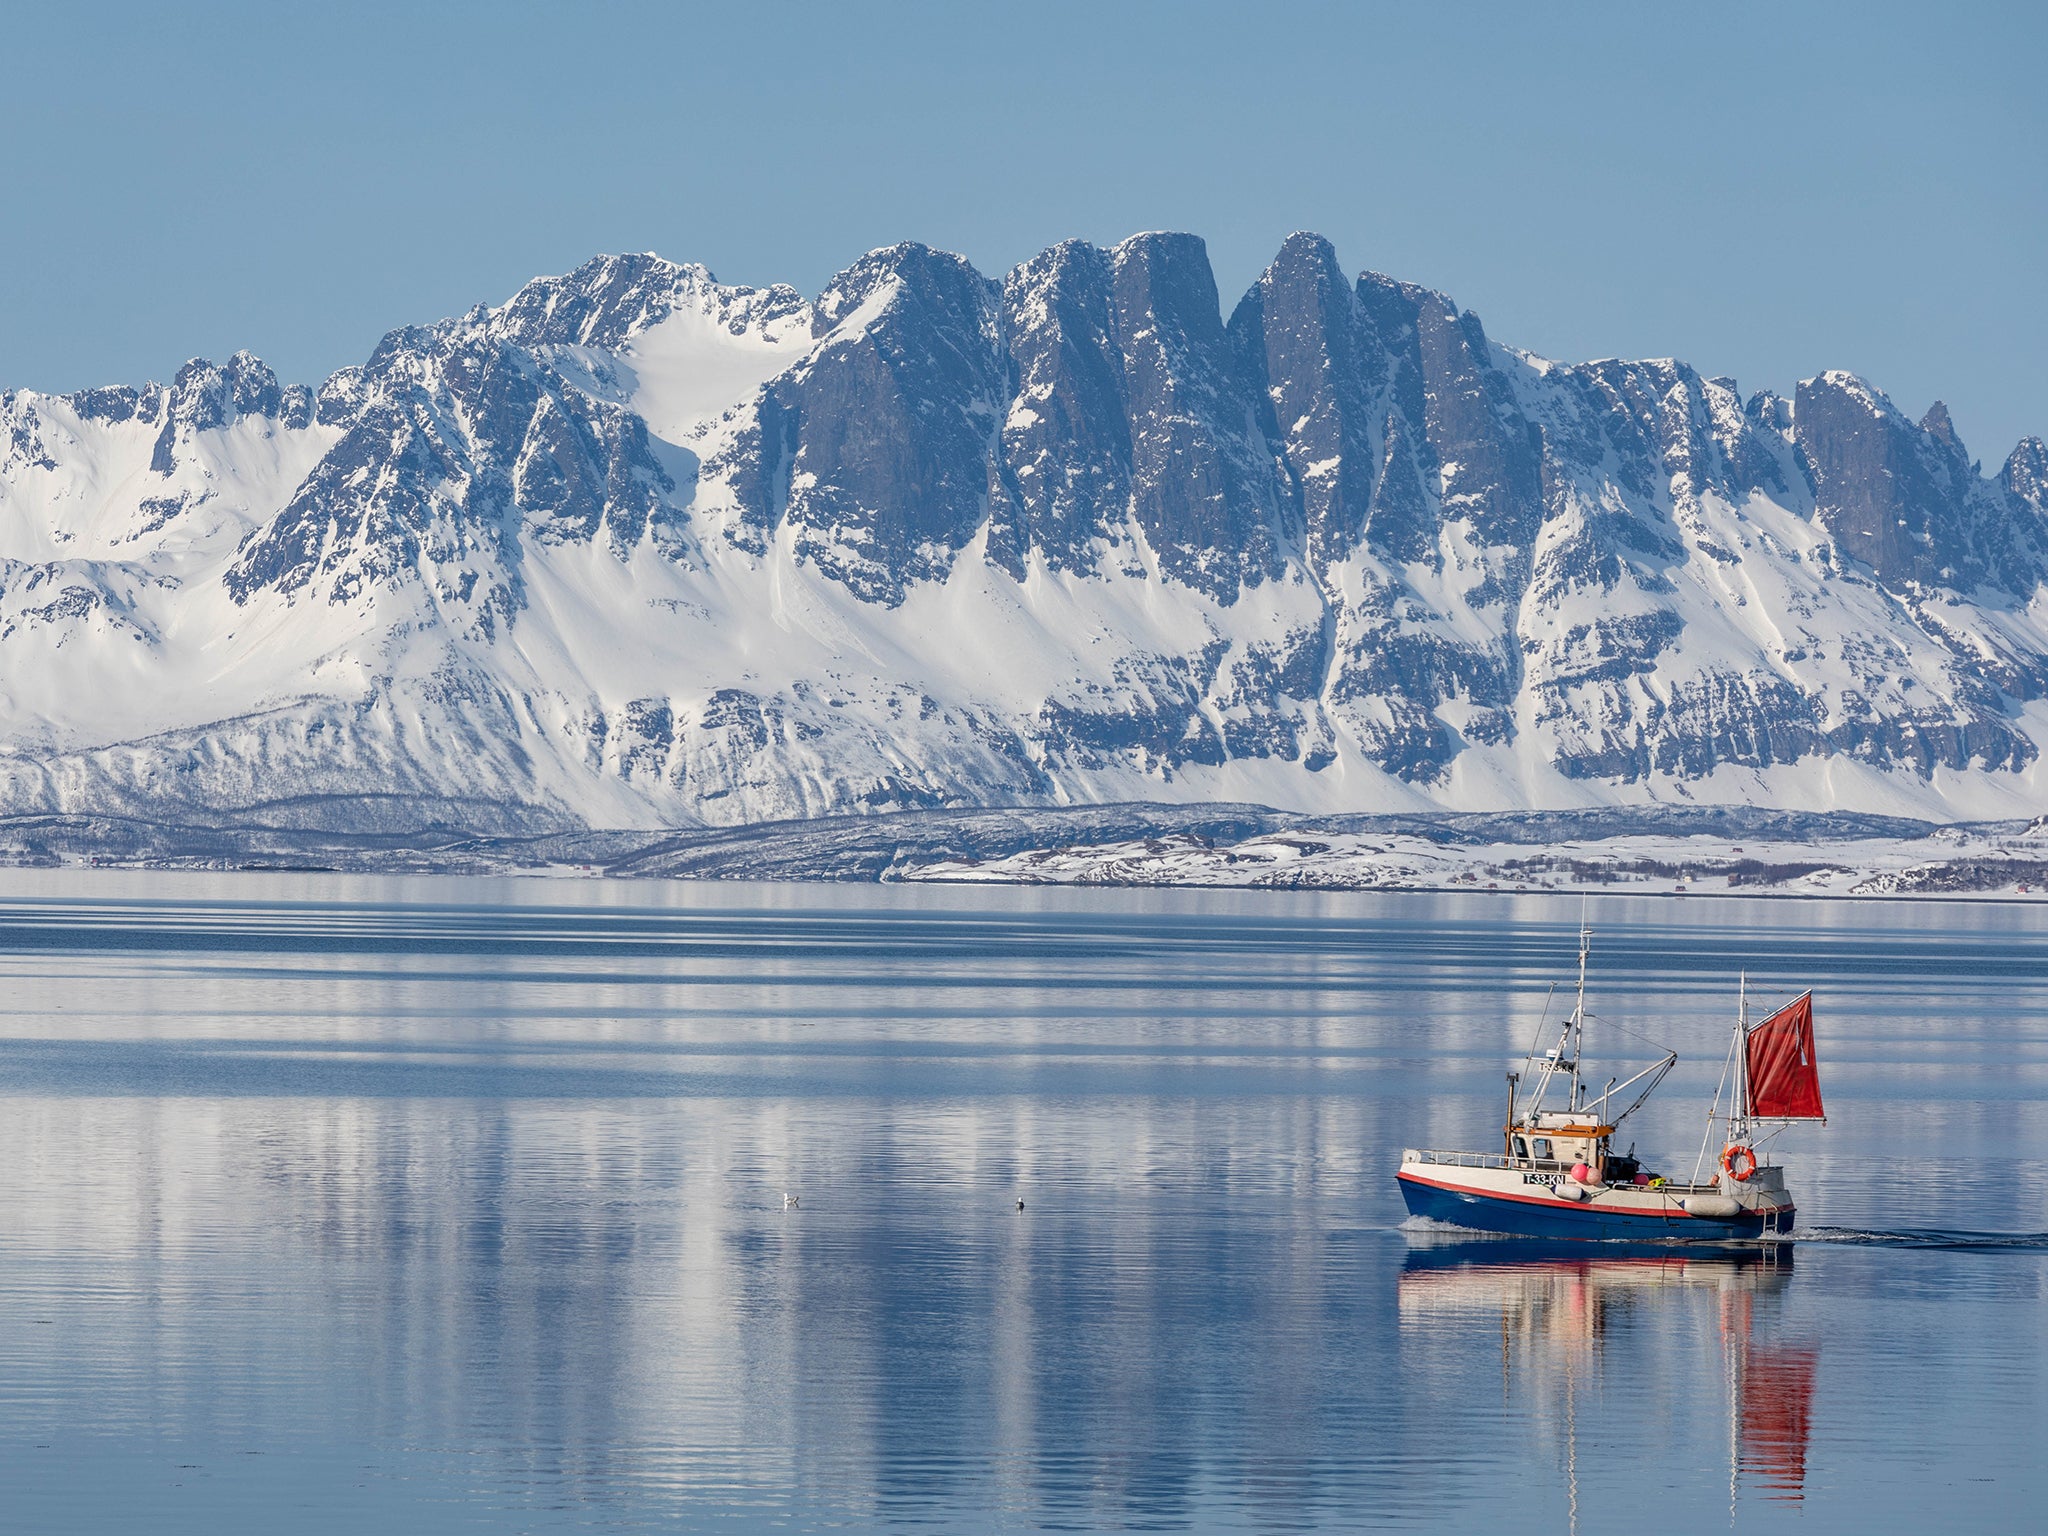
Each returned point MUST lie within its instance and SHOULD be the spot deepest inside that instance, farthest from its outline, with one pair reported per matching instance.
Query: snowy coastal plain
(1684, 852)
(1956, 861)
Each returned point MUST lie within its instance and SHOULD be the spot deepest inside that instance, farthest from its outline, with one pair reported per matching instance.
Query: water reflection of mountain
(1574, 1321)
(605, 1302)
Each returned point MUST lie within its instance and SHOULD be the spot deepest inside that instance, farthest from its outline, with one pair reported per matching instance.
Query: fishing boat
(1558, 1174)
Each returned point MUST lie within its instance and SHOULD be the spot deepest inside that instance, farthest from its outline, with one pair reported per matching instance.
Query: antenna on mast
(1579, 1013)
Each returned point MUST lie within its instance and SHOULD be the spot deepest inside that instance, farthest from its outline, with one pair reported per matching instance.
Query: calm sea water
(352, 1205)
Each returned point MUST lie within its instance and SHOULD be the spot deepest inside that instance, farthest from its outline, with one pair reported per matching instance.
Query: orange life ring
(1734, 1154)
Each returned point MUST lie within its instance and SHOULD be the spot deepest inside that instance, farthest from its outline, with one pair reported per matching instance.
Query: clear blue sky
(1762, 189)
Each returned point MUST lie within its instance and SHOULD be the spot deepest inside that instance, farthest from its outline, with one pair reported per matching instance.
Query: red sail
(1784, 1074)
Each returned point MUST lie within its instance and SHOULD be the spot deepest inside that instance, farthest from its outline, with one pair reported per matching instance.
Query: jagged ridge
(637, 548)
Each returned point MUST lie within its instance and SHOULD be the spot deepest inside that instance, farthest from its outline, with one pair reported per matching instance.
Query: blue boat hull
(1522, 1218)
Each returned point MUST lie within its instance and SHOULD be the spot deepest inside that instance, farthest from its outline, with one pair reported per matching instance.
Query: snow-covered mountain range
(638, 549)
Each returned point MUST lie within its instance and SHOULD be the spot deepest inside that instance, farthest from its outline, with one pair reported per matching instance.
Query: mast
(1738, 1112)
(1564, 1056)
(1526, 1100)
(1579, 1015)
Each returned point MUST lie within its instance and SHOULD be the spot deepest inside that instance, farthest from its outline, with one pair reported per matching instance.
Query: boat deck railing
(1472, 1160)
(1494, 1160)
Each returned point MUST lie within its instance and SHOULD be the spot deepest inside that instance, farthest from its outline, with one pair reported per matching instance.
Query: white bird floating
(788, 1201)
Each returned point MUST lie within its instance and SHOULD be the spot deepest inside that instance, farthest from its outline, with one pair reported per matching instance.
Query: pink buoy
(1642, 1180)
(1582, 1173)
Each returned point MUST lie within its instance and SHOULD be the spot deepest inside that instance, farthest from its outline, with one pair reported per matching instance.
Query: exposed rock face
(1204, 493)
(457, 445)
(1066, 438)
(2025, 476)
(204, 397)
(890, 425)
(652, 548)
(1309, 349)
(1905, 499)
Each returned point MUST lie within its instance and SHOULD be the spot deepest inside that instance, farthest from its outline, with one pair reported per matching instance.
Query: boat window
(1542, 1145)
(1521, 1147)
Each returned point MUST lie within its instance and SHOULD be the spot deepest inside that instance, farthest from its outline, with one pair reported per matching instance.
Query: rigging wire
(1548, 998)
(1662, 1048)
(1707, 1137)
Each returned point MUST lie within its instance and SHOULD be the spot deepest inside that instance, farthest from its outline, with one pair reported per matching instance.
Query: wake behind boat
(1558, 1175)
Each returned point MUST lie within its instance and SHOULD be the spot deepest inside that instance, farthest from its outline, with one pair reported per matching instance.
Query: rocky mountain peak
(1311, 354)
(2025, 475)
(1771, 412)
(1899, 497)
(206, 396)
(1063, 490)
(1936, 424)
(1204, 490)
(908, 272)
(600, 304)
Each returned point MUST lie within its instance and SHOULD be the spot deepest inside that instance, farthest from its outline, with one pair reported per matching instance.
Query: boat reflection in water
(1630, 1347)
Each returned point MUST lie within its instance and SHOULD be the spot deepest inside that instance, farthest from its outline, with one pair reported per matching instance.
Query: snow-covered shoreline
(1955, 862)
(1742, 853)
